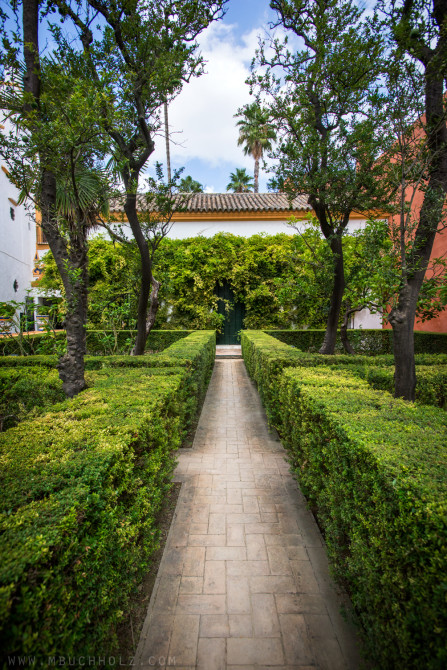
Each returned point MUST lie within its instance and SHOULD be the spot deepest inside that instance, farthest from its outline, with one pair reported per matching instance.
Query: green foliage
(25, 392)
(374, 470)
(256, 134)
(279, 278)
(283, 280)
(431, 382)
(365, 341)
(190, 185)
(255, 131)
(99, 342)
(266, 357)
(81, 489)
(240, 181)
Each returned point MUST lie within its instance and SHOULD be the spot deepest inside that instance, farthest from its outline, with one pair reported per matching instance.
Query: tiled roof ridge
(239, 202)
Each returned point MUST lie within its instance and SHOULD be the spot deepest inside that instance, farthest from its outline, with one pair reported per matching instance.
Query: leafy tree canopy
(190, 185)
(240, 181)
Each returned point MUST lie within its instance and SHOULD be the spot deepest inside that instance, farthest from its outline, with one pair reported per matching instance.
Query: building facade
(17, 246)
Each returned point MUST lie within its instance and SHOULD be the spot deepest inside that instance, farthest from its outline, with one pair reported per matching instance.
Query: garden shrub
(431, 382)
(266, 356)
(80, 491)
(374, 471)
(121, 342)
(14, 361)
(97, 341)
(364, 341)
(27, 390)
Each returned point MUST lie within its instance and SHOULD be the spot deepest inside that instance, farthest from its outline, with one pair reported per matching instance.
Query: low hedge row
(27, 390)
(431, 387)
(98, 342)
(266, 356)
(80, 491)
(364, 341)
(374, 470)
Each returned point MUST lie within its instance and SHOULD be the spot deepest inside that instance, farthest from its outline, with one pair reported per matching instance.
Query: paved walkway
(244, 581)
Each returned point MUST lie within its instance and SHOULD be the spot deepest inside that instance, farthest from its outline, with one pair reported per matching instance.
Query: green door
(234, 316)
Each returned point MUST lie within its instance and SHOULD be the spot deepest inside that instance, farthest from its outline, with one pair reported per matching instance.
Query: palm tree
(256, 134)
(190, 185)
(240, 181)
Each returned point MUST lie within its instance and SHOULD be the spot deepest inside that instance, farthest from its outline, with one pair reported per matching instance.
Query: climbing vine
(283, 280)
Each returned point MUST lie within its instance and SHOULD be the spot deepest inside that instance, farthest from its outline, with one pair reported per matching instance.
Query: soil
(129, 630)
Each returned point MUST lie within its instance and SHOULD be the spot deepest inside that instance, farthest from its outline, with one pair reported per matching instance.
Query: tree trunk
(330, 336)
(344, 331)
(168, 149)
(72, 265)
(130, 207)
(256, 180)
(71, 364)
(154, 305)
(402, 318)
(31, 78)
(402, 321)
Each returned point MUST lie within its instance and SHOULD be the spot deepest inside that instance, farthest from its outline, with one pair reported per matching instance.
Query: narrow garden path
(244, 580)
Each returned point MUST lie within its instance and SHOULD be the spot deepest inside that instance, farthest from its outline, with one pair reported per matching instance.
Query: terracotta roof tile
(239, 202)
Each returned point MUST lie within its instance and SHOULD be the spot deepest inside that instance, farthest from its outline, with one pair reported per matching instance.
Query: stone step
(228, 351)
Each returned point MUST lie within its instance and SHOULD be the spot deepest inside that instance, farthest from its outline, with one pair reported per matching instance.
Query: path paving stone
(244, 580)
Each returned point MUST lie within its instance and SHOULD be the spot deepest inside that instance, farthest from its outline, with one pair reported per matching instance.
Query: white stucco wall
(365, 319)
(17, 244)
(183, 229)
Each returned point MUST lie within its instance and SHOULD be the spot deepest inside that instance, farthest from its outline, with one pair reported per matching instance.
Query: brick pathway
(244, 581)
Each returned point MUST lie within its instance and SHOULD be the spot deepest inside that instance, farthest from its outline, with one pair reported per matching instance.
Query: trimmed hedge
(27, 390)
(374, 470)
(266, 356)
(364, 341)
(431, 386)
(98, 342)
(80, 491)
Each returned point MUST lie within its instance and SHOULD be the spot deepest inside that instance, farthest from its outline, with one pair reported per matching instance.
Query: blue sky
(204, 134)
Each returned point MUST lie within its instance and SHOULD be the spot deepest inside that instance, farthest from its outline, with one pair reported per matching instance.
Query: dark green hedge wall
(364, 341)
(374, 470)
(81, 487)
(98, 342)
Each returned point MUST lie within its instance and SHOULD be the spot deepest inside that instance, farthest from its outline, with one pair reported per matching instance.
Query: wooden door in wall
(234, 314)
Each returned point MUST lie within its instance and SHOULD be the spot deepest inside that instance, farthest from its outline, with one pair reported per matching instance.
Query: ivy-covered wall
(282, 280)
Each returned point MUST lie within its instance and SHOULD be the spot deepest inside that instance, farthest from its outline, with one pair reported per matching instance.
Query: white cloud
(202, 117)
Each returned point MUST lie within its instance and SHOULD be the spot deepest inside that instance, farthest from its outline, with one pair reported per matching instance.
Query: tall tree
(418, 159)
(146, 52)
(256, 134)
(190, 185)
(55, 148)
(240, 181)
(324, 101)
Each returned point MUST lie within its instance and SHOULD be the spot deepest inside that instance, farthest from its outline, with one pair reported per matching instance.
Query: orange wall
(439, 323)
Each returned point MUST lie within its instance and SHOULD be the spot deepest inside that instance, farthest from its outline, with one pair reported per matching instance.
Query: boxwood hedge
(431, 387)
(266, 357)
(98, 342)
(24, 390)
(374, 471)
(80, 491)
(364, 341)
